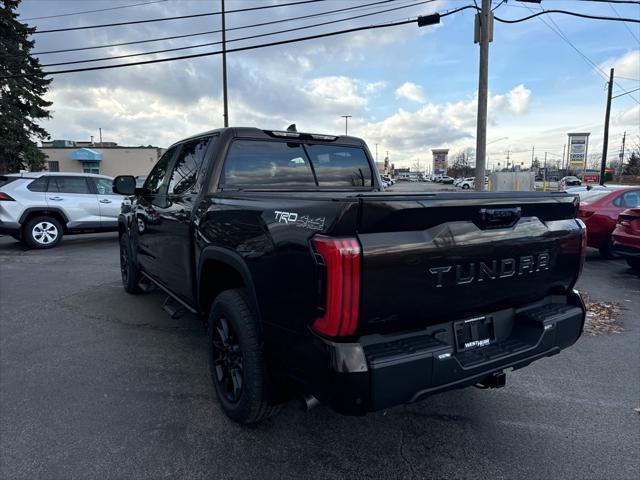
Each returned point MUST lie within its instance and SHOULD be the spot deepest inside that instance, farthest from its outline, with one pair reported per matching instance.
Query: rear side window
(38, 185)
(68, 185)
(185, 170)
(267, 164)
(631, 199)
(290, 164)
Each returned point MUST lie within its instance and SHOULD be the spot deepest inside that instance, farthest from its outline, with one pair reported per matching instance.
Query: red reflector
(6, 198)
(341, 258)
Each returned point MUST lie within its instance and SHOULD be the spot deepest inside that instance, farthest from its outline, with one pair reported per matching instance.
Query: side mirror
(124, 185)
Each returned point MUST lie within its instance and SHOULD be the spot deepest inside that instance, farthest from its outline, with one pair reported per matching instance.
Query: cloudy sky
(408, 89)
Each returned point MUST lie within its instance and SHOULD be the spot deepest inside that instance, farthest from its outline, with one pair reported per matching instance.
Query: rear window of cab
(274, 164)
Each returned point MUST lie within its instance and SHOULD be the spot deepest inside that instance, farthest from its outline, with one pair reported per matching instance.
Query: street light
(346, 119)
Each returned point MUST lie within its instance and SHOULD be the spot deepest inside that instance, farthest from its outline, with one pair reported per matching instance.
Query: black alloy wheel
(227, 359)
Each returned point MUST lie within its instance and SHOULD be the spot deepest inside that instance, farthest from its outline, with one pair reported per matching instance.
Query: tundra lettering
(509, 267)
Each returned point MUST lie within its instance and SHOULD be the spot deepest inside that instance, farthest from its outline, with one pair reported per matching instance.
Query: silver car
(38, 208)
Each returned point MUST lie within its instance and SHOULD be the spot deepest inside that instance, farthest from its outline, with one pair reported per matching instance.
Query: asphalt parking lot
(95, 383)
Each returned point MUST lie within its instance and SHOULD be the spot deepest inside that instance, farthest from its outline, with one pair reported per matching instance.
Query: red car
(599, 210)
(626, 237)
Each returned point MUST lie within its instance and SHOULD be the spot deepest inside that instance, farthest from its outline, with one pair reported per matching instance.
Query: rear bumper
(380, 371)
(9, 228)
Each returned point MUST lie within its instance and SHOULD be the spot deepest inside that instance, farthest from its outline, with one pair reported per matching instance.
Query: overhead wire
(250, 37)
(120, 7)
(558, 31)
(237, 49)
(179, 17)
(173, 37)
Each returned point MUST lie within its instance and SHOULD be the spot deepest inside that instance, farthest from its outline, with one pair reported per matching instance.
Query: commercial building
(440, 160)
(107, 158)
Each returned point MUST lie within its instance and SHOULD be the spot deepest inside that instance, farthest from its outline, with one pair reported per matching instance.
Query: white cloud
(627, 65)
(519, 99)
(411, 91)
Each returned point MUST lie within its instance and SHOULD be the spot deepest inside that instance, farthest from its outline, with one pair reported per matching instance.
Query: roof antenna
(292, 128)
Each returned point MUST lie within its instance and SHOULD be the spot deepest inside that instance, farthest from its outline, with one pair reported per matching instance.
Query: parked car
(446, 180)
(284, 241)
(569, 181)
(599, 210)
(39, 208)
(467, 183)
(626, 237)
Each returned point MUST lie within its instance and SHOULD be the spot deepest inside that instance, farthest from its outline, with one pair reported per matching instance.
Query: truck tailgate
(427, 259)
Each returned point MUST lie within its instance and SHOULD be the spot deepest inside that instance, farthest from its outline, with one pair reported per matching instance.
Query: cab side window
(185, 170)
(153, 183)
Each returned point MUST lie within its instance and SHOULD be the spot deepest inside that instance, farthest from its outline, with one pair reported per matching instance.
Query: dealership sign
(578, 148)
(590, 178)
(440, 161)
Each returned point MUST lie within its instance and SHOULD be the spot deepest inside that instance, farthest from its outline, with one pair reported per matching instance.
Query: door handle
(57, 199)
(104, 200)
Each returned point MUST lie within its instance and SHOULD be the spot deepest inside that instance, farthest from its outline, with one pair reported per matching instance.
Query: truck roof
(253, 132)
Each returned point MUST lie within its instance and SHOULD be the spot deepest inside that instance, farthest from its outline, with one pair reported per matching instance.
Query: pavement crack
(401, 448)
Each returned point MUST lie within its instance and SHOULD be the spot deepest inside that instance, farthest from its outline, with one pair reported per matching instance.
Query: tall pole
(605, 141)
(624, 138)
(484, 22)
(346, 119)
(224, 70)
(563, 149)
(376, 152)
(533, 151)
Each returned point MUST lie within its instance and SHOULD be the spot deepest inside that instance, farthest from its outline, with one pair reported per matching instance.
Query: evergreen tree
(21, 102)
(632, 167)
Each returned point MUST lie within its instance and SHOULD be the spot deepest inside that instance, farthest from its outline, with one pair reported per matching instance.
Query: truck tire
(236, 363)
(42, 232)
(128, 270)
(634, 263)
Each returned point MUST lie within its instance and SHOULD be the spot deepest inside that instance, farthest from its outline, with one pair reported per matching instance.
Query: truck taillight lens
(340, 258)
(6, 198)
(583, 246)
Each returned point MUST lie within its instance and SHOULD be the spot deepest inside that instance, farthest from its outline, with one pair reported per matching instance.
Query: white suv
(39, 207)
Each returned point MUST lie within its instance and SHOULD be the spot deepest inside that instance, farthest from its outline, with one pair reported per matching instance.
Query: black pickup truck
(314, 281)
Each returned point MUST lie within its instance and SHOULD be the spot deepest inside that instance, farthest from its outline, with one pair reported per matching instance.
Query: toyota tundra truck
(314, 282)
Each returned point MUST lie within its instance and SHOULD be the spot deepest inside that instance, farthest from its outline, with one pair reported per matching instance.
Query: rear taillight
(5, 198)
(585, 213)
(583, 246)
(340, 259)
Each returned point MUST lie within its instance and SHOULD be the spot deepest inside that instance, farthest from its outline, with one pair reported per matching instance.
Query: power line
(625, 25)
(241, 38)
(565, 12)
(92, 11)
(180, 17)
(329, 12)
(558, 31)
(239, 49)
(632, 2)
(625, 93)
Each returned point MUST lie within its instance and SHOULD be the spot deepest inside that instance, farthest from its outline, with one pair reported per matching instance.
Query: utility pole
(563, 149)
(346, 119)
(533, 151)
(100, 131)
(624, 138)
(224, 70)
(483, 35)
(605, 141)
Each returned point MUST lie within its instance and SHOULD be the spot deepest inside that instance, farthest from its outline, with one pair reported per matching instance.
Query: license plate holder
(473, 333)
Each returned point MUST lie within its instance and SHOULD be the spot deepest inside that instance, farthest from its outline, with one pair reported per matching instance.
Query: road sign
(590, 178)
